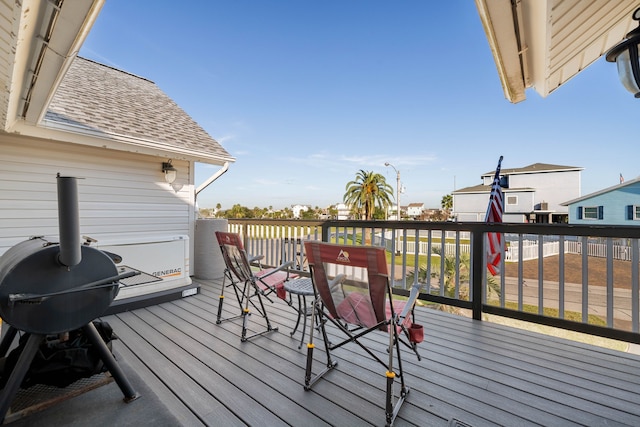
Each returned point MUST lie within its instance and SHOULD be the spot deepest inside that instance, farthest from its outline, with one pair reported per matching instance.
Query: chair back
(235, 257)
(352, 281)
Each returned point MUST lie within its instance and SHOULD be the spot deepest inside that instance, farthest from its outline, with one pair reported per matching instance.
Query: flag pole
(494, 240)
(491, 195)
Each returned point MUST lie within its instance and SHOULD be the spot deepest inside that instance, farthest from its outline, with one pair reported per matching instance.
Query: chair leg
(245, 320)
(219, 316)
(239, 297)
(392, 410)
(309, 381)
(307, 372)
(389, 403)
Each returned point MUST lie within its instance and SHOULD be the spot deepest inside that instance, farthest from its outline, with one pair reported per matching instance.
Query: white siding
(550, 187)
(121, 195)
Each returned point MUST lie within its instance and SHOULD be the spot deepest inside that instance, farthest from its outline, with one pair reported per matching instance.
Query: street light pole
(397, 189)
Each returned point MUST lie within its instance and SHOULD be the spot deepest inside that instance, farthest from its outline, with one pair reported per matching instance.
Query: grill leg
(129, 393)
(18, 373)
(8, 338)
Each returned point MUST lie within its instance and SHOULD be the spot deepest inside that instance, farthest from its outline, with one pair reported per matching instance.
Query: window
(591, 212)
(633, 212)
(512, 200)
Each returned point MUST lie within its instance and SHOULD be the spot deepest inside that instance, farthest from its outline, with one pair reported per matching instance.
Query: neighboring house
(112, 129)
(344, 212)
(533, 193)
(617, 205)
(415, 210)
(298, 209)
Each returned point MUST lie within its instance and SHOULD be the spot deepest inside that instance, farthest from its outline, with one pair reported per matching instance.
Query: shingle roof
(533, 168)
(103, 100)
(487, 189)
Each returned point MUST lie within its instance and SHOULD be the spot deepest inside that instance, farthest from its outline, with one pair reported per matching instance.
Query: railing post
(477, 266)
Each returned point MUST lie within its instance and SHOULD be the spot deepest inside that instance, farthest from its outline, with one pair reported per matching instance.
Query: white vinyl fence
(512, 251)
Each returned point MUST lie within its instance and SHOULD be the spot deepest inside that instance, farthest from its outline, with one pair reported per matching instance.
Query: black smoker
(48, 288)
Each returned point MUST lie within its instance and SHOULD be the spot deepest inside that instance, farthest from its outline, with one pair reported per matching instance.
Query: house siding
(552, 188)
(532, 188)
(613, 204)
(121, 195)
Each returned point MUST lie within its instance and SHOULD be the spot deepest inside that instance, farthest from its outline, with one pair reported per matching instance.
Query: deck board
(480, 373)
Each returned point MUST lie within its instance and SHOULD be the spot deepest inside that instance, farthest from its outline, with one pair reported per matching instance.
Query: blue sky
(306, 93)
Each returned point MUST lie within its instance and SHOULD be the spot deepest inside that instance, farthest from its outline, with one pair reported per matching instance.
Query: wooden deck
(479, 373)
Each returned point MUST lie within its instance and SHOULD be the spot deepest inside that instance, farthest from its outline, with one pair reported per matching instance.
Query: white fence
(530, 249)
(423, 247)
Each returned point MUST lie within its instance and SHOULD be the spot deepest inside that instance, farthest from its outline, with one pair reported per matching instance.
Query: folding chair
(249, 287)
(354, 294)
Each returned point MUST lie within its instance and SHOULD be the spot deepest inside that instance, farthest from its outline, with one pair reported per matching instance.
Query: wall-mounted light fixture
(170, 172)
(625, 55)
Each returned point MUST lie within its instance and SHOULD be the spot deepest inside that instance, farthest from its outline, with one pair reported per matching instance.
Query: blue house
(617, 205)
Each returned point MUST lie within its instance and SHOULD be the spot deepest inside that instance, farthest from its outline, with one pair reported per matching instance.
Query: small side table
(302, 288)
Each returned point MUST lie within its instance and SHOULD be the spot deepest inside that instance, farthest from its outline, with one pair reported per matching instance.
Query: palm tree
(453, 271)
(237, 211)
(367, 191)
(447, 203)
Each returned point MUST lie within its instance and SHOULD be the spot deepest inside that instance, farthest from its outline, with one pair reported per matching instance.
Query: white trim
(78, 135)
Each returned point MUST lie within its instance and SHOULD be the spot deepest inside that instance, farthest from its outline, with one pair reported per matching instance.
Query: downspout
(218, 174)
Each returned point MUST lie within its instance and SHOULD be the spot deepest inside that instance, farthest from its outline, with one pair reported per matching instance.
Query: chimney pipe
(68, 221)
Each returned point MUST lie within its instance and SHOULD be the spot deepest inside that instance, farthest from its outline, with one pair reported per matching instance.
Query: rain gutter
(218, 174)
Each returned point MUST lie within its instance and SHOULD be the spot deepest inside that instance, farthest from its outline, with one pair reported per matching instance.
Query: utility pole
(397, 189)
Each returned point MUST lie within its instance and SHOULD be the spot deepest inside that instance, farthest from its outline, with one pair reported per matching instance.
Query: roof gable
(100, 100)
(534, 168)
(603, 191)
(480, 188)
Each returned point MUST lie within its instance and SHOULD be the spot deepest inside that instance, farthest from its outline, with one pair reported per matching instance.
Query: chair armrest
(333, 284)
(413, 296)
(253, 259)
(281, 267)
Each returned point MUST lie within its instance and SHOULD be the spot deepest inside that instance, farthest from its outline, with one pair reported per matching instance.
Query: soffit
(38, 40)
(557, 39)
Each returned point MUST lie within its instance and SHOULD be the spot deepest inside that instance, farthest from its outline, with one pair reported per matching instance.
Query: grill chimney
(68, 221)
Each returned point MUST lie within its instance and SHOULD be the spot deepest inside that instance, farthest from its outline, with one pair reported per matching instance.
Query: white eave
(78, 135)
(542, 44)
(49, 36)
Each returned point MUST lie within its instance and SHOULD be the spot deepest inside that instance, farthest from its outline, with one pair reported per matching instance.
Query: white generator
(162, 260)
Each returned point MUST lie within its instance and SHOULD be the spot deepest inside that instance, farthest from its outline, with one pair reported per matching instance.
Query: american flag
(494, 214)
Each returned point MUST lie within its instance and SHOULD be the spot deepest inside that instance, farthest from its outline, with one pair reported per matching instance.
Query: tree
(367, 191)
(447, 203)
(237, 211)
(454, 271)
(309, 214)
